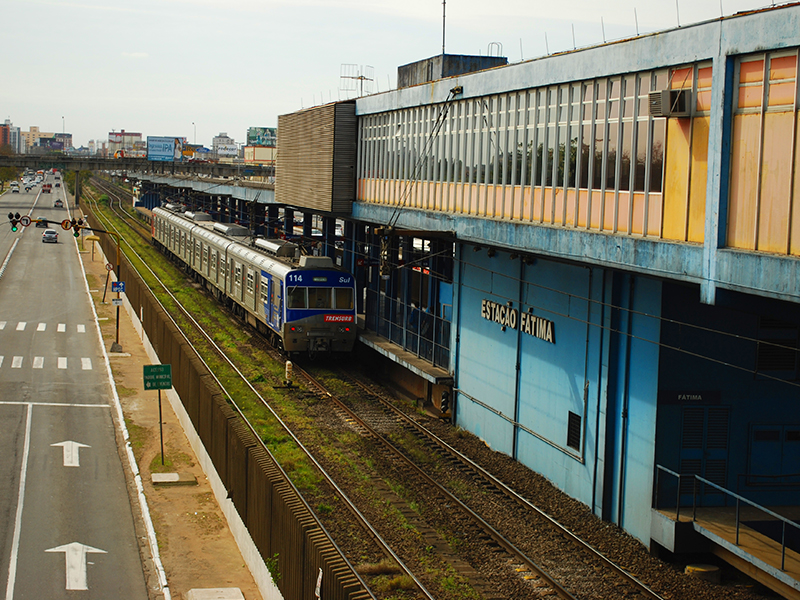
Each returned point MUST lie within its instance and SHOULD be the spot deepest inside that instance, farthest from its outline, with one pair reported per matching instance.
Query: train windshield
(321, 297)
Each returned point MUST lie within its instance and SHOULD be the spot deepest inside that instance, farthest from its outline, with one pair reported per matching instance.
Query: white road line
(62, 362)
(59, 404)
(38, 362)
(8, 257)
(21, 326)
(16, 362)
(41, 327)
(86, 364)
(62, 327)
(2, 325)
(1, 361)
(12, 563)
(81, 328)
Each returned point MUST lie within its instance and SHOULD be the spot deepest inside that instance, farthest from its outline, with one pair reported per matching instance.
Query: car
(50, 235)
(41, 222)
(27, 188)
(58, 204)
(58, 184)
(15, 190)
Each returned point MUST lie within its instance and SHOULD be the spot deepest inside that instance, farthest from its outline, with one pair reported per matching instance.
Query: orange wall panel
(794, 242)
(675, 179)
(776, 179)
(744, 178)
(697, 191)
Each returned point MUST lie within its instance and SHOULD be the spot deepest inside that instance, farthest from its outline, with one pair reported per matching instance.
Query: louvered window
(574, 431)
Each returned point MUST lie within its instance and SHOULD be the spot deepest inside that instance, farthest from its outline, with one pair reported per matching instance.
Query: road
(66, 521)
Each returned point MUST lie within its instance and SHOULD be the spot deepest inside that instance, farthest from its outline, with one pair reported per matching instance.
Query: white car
(50, 235)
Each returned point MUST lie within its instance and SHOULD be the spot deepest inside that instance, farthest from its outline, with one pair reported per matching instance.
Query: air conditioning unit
(671, 103)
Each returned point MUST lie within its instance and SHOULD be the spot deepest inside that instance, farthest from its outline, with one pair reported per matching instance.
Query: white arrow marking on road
(71, 453)
(75, 554)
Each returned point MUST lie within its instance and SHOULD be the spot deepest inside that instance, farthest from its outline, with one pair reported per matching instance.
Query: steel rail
(350, 505)
(498, 537)
(505, 489)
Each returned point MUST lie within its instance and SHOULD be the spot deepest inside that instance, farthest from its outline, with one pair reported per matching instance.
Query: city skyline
(195, 69)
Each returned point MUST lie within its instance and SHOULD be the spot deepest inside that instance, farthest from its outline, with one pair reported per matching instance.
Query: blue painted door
(704, 452)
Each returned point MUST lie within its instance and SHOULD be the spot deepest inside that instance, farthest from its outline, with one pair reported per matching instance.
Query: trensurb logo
(338, 318)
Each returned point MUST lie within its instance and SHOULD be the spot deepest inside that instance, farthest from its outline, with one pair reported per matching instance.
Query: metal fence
(281, 524)
(696, 483)
(414, 329)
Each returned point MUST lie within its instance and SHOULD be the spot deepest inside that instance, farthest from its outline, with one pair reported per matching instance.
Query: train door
(263, 293)
(704, 452)
(276, 296)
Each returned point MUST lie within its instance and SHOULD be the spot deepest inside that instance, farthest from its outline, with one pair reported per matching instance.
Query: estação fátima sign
(508, 316)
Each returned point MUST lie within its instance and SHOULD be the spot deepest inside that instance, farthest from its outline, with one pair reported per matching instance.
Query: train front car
(320, 308)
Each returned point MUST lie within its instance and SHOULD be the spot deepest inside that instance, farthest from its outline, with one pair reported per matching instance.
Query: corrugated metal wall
(280, 523)
(317, 158)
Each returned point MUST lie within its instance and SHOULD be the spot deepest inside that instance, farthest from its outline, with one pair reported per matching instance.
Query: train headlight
(344, 330)
(296, 329)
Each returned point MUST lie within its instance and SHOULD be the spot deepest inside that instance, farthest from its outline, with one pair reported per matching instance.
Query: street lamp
(195, 133)
(63, 128)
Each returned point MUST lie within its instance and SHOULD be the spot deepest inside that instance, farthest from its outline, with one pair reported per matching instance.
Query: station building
(593, 258)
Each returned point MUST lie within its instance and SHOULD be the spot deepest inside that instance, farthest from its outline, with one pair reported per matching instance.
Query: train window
(297, 297)
(344, 298)
(251, 282)
(238, 275)
(264, 293)
(319, 297)
(214, 261)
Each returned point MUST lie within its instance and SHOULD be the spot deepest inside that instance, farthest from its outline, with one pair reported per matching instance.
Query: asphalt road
(66, 521)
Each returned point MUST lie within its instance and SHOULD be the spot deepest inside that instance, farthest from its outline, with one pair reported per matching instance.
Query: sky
(198, 68)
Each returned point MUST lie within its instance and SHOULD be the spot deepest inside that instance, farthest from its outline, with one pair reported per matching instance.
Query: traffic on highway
(66, 521)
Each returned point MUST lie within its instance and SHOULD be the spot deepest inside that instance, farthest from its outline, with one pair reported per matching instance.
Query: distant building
(64, 138)
(33, 136)
(13, 137)
(224, 145)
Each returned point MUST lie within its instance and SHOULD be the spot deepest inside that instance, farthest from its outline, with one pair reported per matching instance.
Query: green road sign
(157, 377)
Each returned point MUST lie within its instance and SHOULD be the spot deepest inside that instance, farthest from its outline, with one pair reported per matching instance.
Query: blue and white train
(303, 303)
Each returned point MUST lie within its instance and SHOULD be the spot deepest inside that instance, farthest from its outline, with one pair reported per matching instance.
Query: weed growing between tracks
(235, 340)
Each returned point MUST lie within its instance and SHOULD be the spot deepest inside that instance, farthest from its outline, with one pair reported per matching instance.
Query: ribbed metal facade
(317, 158)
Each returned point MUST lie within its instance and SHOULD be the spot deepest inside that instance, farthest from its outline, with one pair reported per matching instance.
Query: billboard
(262, 136)
(227, 150)
(164, 148)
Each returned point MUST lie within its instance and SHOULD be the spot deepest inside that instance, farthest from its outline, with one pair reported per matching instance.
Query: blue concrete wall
(713, 369)
(515, 391)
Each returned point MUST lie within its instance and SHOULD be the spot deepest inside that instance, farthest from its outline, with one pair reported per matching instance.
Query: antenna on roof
(349, 74)
(444, 5)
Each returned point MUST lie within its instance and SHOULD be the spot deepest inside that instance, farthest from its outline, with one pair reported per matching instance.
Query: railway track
(512, 547)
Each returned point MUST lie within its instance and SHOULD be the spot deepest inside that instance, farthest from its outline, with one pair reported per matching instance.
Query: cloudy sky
(158, 66)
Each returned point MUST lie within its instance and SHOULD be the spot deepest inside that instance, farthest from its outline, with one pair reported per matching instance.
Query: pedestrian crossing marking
(2, 325)
(21, 326)
(81, 328)
(62, 327)
(38, 362)
(41, 327)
